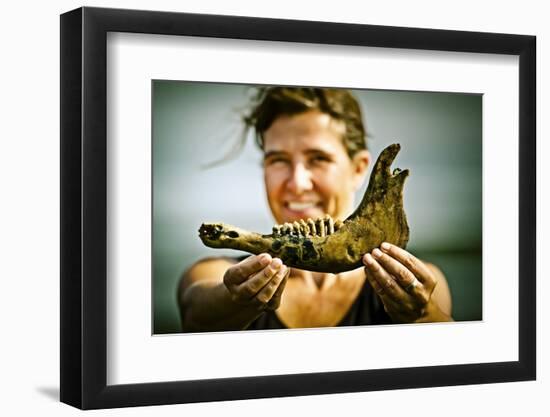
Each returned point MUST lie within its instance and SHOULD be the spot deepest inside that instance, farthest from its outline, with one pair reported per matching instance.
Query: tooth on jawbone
(326, 244)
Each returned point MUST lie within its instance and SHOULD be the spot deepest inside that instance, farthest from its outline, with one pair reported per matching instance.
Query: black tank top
(366, 309)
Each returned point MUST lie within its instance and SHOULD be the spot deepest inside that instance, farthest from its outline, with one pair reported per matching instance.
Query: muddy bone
(325, 244)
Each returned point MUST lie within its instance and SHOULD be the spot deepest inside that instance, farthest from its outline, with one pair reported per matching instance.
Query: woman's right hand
(258, 281)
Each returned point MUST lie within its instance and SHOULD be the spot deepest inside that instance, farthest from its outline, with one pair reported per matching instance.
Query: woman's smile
(296, 210)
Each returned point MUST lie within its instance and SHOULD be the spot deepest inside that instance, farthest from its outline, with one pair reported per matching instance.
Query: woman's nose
(300, 179)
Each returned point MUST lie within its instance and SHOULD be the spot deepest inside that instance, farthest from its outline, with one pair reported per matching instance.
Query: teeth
(300, 206)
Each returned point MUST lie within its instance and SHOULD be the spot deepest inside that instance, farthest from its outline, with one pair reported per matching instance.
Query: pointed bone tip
(386, 158)
(392, 150)
(389, 153)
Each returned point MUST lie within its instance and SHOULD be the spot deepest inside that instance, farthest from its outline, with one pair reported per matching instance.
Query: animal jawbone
(325, 244)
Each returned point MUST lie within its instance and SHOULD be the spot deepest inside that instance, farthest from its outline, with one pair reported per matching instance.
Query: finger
(268, 291)
(402, 275)
(390, 304)
(276, 299)
(257, 281)
(242, 271)
(374, 284)
(386, 283)
(409, 261)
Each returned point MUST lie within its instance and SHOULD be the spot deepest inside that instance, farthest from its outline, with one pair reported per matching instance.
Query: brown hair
(271, 102)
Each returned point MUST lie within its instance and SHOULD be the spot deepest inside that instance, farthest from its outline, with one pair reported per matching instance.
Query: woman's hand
(257, 281)
(404, 283)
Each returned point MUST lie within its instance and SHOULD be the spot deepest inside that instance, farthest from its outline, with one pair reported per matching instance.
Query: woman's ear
(360, 164)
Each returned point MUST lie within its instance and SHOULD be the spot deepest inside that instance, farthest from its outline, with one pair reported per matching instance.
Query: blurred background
(198, 123)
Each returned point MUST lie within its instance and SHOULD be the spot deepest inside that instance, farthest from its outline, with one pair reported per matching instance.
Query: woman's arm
(219, 294)
(441, 296)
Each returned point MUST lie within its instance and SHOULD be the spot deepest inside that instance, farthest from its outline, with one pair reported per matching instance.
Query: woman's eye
(320, 158)
(277, 160)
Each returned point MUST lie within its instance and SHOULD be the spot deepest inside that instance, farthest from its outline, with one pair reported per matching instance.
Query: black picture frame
(84, 207)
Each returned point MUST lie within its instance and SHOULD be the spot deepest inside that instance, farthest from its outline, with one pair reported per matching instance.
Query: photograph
(294, 207)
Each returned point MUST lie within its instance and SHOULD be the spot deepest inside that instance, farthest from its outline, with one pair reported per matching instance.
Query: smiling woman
(315, 159)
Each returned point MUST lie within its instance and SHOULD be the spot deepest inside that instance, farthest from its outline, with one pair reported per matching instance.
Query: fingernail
(368, 259)
(385, 246)
(276, 263)
(377, 253)
(265, 259)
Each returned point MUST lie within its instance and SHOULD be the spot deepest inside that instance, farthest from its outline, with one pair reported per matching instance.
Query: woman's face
(307, 171)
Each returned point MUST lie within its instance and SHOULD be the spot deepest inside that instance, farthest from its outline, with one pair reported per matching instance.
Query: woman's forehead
(309, 122)
(310, 130)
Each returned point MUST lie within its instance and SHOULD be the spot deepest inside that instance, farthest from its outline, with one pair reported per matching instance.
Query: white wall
(29, 224)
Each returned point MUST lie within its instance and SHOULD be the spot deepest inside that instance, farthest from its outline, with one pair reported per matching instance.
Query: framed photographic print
(228, 187)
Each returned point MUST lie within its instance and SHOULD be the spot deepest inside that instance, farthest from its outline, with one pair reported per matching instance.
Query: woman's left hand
(404, 283)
